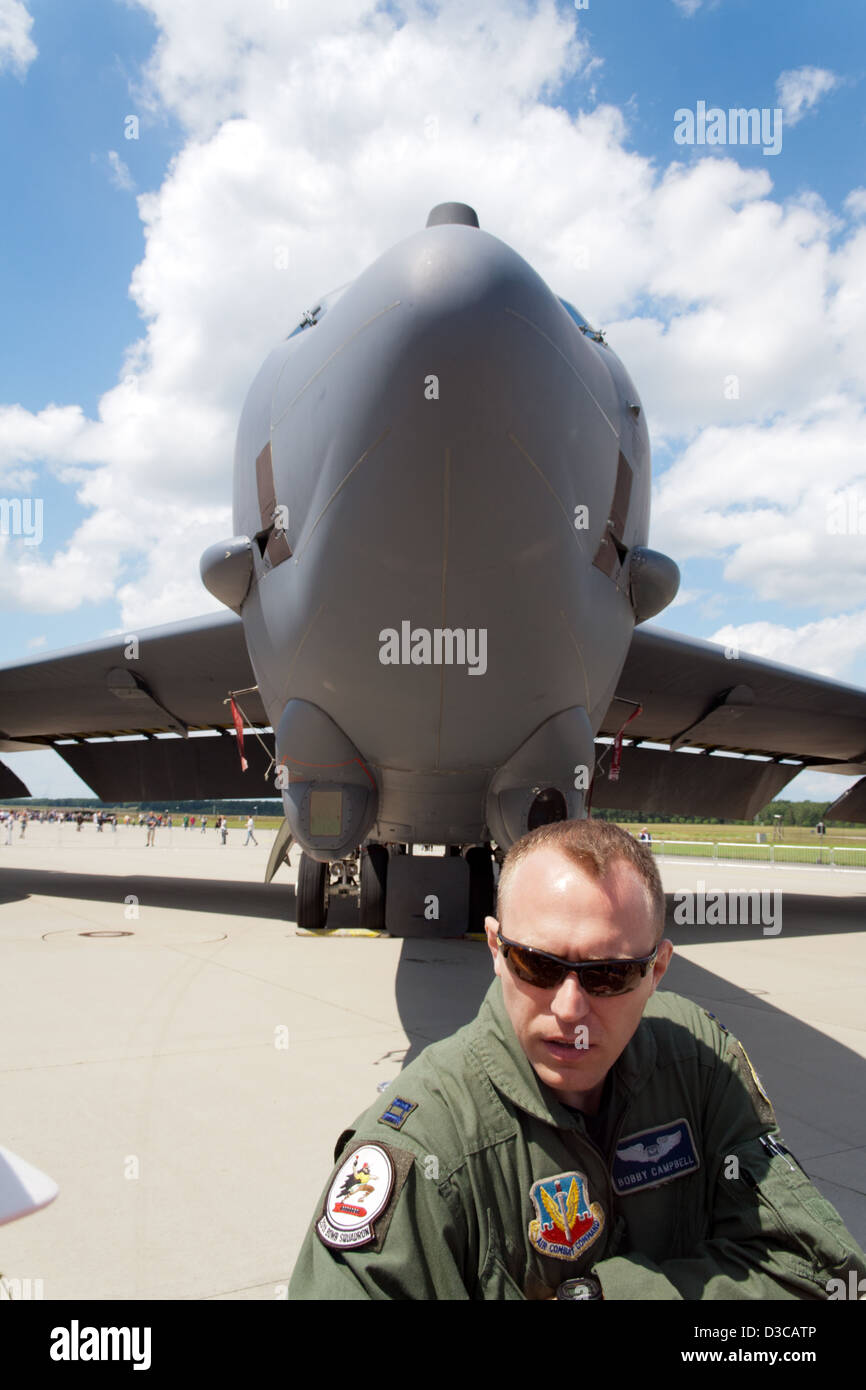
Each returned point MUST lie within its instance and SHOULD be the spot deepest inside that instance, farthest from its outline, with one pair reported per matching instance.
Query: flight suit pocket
(495, 1281)
(665, 1222)
(779, 1202)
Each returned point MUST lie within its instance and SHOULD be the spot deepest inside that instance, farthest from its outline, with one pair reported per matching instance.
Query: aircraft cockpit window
(585, 328)
(311, 317)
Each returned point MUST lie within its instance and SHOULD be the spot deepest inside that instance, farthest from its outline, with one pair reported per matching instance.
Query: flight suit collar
(498, 1049)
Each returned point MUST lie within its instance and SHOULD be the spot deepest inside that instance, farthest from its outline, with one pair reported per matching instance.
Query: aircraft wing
(131, 716)
(141, 716)
(698, 696)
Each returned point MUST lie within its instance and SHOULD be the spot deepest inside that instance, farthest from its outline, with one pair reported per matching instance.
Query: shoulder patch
(361, 1199)
(398, 1112)
(753, 1084)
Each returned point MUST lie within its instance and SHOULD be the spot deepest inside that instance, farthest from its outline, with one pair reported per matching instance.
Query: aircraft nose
(455, 274)
(439, 443)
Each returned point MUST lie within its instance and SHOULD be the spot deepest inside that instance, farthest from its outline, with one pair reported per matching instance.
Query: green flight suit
(683, 1192)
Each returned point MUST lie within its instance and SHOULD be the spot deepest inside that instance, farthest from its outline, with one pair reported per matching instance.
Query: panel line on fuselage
(328, 360)
(446, 521)
(579, 654)
(554, 494)
(541, 333)
(357, 464)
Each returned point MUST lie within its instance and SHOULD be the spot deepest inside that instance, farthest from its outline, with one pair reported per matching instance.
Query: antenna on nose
(460, 213)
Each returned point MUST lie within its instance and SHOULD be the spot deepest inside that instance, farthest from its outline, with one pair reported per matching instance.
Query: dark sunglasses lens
(610, 979)
(534, 970)
(616, 977)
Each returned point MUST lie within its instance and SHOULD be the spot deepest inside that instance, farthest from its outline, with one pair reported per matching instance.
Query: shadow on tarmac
(440, 983)
(230, 897)
(816, 1082)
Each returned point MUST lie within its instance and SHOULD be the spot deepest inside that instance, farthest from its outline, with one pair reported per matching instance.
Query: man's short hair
(593, 845)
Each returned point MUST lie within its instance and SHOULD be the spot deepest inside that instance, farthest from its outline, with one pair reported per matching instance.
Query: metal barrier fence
(722, 851)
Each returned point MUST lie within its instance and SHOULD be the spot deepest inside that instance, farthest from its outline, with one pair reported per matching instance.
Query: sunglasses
(601, 978)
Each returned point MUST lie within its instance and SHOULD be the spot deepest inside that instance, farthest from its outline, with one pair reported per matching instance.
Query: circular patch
(358, 1194)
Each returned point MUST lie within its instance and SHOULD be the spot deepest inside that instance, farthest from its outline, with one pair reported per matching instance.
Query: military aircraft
(437, 591)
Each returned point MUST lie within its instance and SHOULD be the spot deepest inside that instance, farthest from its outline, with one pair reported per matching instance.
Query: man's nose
(570, 1001)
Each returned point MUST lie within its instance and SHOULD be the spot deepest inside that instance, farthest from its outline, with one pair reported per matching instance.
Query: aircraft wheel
(313, 881)
(374, 883)
(481, 888)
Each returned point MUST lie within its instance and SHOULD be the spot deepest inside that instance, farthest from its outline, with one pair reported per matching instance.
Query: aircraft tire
(313, 881)
(481, 887)
(374, 886)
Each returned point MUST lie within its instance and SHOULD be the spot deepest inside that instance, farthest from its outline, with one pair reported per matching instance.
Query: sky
(181, 181)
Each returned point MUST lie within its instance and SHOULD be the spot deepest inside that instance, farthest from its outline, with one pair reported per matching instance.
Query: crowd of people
(151, 821)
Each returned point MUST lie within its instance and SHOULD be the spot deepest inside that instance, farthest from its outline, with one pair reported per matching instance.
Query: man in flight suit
(583, 1127)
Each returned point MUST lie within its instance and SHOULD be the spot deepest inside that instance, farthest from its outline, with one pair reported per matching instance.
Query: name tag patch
(654, 1156)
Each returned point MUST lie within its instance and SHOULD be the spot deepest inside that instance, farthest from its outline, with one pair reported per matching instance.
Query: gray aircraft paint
(453, 513)
(456, 512)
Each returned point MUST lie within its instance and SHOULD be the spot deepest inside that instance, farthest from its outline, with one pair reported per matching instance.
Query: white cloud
(799, 89)
(119, 173)
(331, 131)
(856, 202)
(816, 786)
(826, 648)
(685, 596)
(781, 505)
(688, 7)
(17, 49)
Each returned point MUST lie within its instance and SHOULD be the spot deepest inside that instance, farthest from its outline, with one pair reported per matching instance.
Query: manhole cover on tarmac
(105, 933)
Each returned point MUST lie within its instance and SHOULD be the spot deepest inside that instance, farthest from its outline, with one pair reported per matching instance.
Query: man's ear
(491, 926)
(662, 961)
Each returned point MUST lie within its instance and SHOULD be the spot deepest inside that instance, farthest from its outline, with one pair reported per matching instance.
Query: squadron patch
(366, 1181)
(654, 1156)
(398, 1112)
(566, 1223)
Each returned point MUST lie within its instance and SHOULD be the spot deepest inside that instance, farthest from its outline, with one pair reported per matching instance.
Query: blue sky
(137, 275)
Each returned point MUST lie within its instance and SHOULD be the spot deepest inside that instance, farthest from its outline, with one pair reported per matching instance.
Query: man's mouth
(563, 1048)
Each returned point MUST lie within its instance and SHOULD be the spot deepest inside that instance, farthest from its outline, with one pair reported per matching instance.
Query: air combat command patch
(567, 1224)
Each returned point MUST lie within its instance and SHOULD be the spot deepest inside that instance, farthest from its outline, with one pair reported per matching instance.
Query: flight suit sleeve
(418, 1251)
(770, 1233)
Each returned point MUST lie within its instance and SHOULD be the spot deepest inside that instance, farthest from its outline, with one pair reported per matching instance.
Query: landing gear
(374, 883)
(423, 889)
(314, 881)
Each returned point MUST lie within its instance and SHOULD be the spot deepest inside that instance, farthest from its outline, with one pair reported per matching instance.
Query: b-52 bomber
(437, 592)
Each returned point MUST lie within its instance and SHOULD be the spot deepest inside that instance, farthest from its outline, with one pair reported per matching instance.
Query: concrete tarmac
(182, 1062)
